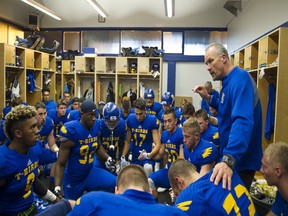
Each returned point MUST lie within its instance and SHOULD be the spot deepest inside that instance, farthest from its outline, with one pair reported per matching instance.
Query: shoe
(35, 43)
(51, 50)
(161, 190)
(40, 44)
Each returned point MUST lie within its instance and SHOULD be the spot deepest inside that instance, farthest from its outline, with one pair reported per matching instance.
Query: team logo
(207, 152)
(184, 206)
(222, 97)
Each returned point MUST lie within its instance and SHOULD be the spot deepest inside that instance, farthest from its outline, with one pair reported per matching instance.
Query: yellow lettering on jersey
(169, 145)
(88, 140)
(110, 138)
(30, 168)
(240, 190)
(139, 130)
(184, 206)
(230, 202)
(151, 112)
(78, 201)
(216, 135)
(207, 152)
(63, 129)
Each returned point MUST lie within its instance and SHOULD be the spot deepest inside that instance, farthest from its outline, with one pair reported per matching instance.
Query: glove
(145, 154)
(58, 192)
(123, 162)
(54, 148)
(130, 157)
(110, 164)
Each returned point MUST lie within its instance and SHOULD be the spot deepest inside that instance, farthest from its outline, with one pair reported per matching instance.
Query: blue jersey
(19, 172)
(142, 133)
(122, 116)
(154, 109)
(130, 203)
(204, 153)
(80, 160)
(74, 115)
(172, 143)
(204, 198)
(50, 105)
(115, 137)
(179, 116)
(5, 111)
(2, 133)
(46, 130)
(240, 130)
(211, 135)
(58, 122)
(280, 206)
(205, 105)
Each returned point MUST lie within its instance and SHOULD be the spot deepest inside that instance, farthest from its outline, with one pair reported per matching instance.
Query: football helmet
(111, 115)
(149, 93)
(168, 99)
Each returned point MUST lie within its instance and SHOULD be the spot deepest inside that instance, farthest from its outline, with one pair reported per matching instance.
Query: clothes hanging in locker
(270, 113)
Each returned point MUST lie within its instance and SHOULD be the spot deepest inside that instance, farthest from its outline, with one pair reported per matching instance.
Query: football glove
(145, 154)
(58, 192)
(123, 162)
(110, 165)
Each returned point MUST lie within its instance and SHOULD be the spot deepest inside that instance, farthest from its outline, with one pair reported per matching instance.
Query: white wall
(188, 75)
(257, 18)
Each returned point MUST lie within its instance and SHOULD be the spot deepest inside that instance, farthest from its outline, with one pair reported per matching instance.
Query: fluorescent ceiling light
(42, 8)
(98, 8)
(169, 7)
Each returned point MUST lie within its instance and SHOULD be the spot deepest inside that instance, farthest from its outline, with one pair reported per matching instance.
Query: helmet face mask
(111, 115)
(149, 97)
(167, 99)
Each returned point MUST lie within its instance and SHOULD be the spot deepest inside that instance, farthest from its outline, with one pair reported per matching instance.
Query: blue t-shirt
(50, 105)
(172, 143)
(81, 156)
(141, 133)
(130, 203)
(211, 135)
(122, 116)
(19, 172)
(46, 130)
(204, 153)
(202, 197)
(154, 109)
(115, 137)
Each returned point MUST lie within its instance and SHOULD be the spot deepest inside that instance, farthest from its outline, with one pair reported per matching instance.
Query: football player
(19, 164)
(152, 107)
(113, 131)
(172, 145)
(143, 130)
(79, 142)
(197, 195)
(199, 152)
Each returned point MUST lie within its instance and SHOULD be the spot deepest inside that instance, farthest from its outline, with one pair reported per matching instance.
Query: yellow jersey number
(139, 139)
(30, 180)
(230, 203)
(87, 156)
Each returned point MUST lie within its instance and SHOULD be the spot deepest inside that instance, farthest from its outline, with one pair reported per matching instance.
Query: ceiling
(122, 13)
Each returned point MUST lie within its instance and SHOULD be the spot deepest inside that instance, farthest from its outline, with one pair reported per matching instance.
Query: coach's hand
(222, 172)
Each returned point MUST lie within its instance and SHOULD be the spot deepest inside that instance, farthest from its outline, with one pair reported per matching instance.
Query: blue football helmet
(168, 99)
(149, 93)
(111, 115)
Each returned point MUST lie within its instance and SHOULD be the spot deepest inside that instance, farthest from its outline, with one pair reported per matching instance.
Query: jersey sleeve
(154, 123)
(67, 131)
